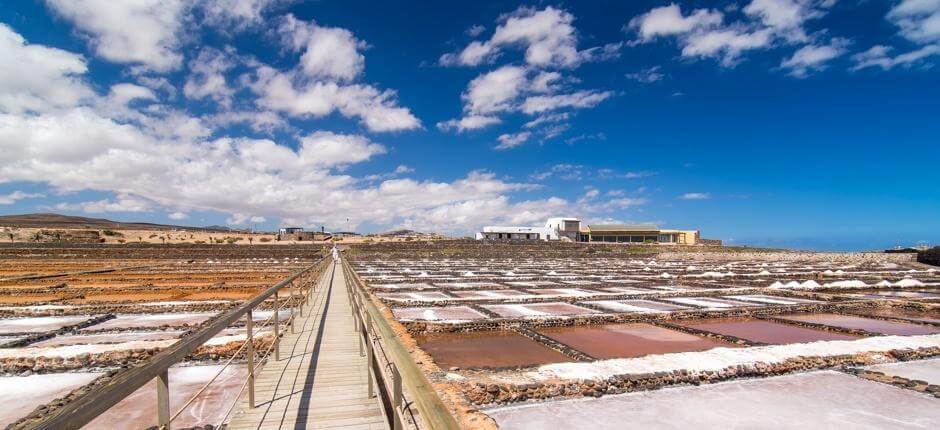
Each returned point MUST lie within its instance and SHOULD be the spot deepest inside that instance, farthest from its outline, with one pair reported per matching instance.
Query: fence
(392, 367)
(85, 408)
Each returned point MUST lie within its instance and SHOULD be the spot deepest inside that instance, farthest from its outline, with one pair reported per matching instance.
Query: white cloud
(919, 20)
(548, 119)
(328, 52)
(879, 56)
(475, 30)
(259, 121)
(695, 196)
(208, 77)
(124, 203)
(508, 141)
(703, 34)
(38, 78)
(669, 21)
(578, 99)
(9, 199)
(402, 169)
(469, 122)
(177, 216)
(787, 17)
(547, 35)
(377, 110)
(237, 14)
(726, 44)
(141, 32)
(495, 91)
(328, 149)
(647, 75)
(814, 57)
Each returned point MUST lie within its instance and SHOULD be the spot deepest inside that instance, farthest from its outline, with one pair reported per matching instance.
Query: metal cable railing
(398, 367)
(89, 405)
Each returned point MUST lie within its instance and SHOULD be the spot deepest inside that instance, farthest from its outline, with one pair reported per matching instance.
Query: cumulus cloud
(208, 77)
(469, 122)
(377, 110)
(328, 52)
(124, 203)
(702, 33)
(548, 37)
(144, 32)
(647, 75)
(695, 196)
(37, 78)
(237, 14)
(814, 57)
(9, 199)
(508, 141)
(177, 216)
(880, 56)
(918, 20)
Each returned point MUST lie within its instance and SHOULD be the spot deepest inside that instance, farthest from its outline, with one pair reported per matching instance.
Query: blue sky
(796, 123)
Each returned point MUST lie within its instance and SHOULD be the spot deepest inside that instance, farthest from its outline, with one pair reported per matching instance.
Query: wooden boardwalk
(320, 381)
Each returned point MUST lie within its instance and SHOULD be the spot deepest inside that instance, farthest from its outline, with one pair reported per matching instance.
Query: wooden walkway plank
(321, 380)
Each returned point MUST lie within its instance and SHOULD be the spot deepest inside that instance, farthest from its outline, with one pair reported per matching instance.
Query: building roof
(624, 227)
(507, 229)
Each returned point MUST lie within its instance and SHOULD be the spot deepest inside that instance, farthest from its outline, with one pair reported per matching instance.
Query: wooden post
(293, 321)
(370, 354)
(396, 397)
(277, 330)
(163, 400)
(251, 361)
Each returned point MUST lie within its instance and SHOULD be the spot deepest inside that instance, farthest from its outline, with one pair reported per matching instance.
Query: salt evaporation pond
(486, 349)
(805, 401)
(766, 331)
(903, 313)
(446, 313)
(127, 321)
(923, 370)
(38, 324)
(536, 310)
(20, 395)
(105, 338)
(139, 410)
(641, 306)
(867, 324)
(629, 340)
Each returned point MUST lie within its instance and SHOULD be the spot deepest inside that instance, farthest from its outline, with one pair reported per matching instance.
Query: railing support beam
(163, 400)
(250, 351)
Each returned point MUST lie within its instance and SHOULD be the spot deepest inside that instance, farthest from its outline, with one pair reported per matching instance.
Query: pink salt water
(486, 349)
(20, 395)
(868, 324)
(766, 331)
(629, 340)
(931, 317)
(139, 410)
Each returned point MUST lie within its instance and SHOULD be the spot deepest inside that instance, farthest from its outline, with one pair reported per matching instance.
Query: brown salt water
(766, 331)
(868, 324)
(629, 340)
(486, 349)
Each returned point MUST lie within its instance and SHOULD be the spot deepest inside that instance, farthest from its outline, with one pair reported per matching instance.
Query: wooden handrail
(430, 406)
(88, 406)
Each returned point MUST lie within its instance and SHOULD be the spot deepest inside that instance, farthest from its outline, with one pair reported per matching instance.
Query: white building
(555, 229)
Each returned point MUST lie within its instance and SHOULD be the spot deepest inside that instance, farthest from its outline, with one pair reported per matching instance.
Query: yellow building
(641, 233)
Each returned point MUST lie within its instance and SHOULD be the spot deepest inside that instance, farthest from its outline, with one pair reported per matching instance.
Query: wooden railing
(391, 365)
(85, 408)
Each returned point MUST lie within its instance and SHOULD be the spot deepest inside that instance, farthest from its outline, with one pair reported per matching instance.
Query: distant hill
(50, 220)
